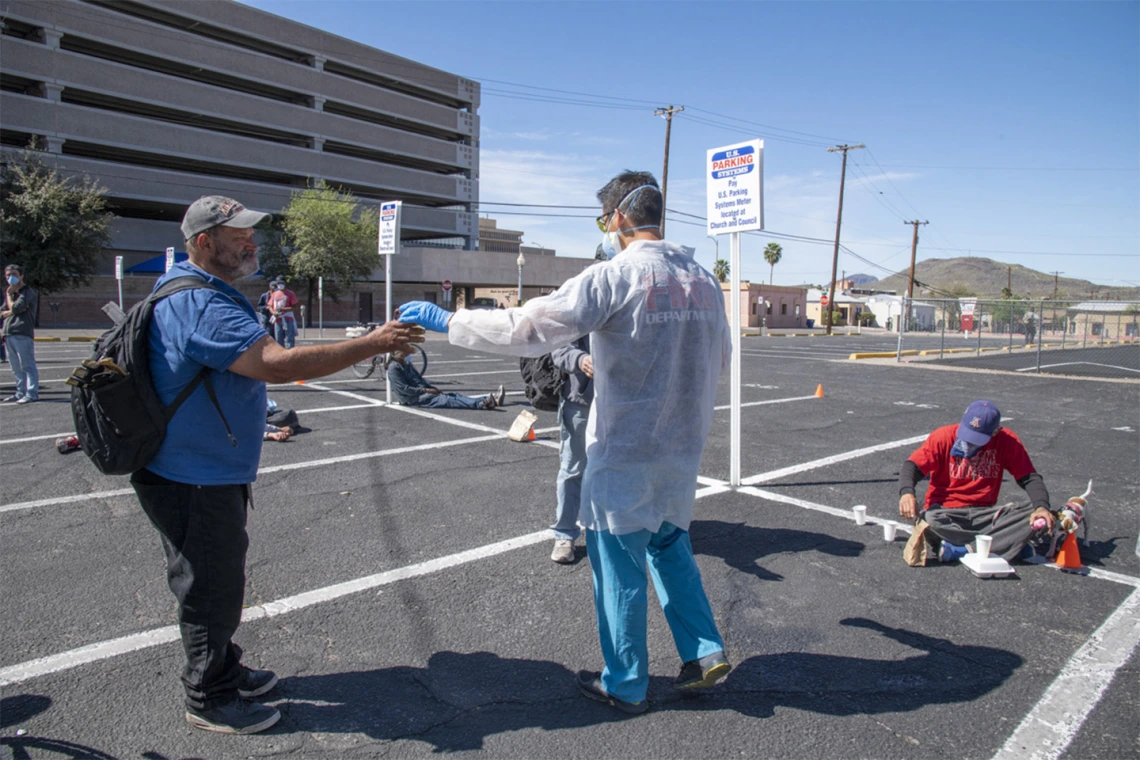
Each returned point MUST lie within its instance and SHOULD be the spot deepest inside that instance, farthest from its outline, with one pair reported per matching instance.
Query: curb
(80, 339)
(882, 355)
(46, 340)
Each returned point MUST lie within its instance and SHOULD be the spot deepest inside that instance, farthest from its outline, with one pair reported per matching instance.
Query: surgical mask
(610, 244)
(611, 239)
(13, 279)
(963, 449)
(280, 287)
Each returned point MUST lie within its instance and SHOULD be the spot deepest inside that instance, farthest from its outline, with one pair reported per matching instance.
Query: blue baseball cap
(981, 420)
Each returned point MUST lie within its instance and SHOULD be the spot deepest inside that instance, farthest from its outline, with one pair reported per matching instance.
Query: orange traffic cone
(530, 436)
(1069, 557)
(300, 382)
(819, 391)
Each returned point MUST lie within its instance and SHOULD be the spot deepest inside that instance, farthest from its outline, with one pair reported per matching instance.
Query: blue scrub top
(192, 329)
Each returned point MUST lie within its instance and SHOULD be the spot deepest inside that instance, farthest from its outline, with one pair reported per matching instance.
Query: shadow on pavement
(460, 699)
(741, 546)
(21, 707)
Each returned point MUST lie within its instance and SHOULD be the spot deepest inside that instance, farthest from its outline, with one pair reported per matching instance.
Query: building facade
(772, 306)
(163, 101)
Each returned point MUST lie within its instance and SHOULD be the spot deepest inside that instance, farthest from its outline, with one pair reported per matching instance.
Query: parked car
(483, 303)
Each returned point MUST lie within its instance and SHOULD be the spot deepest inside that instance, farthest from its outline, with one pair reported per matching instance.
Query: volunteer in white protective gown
(660, 340)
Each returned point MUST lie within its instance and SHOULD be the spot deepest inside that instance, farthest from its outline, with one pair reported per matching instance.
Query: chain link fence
(1085, 338)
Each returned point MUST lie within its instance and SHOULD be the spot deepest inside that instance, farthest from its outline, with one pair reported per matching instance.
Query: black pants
(203, 535)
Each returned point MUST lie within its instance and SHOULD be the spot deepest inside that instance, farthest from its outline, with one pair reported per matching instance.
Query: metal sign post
(388, 245)
(447, 294)
(119, 278)
(734, 190)
(320, 308)
(169, 258)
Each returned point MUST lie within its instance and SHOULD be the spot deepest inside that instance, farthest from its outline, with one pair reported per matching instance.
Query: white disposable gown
(659, 339)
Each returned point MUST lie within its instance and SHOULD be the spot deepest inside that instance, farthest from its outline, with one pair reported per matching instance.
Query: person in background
(412, 389)
(263, 314)
(21, 303)
(281, 304)
(573, 413)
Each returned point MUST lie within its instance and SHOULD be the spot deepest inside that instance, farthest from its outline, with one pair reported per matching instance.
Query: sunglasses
(604, 221)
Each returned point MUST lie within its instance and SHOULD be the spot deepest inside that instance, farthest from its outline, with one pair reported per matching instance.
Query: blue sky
(1014, 128)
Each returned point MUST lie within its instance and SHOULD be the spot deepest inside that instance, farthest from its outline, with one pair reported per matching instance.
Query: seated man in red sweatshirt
(965, 464)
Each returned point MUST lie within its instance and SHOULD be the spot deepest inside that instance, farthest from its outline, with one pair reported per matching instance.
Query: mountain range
(975, 276)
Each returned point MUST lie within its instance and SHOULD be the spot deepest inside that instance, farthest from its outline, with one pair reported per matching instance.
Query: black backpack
(118, 416)
(543, 382)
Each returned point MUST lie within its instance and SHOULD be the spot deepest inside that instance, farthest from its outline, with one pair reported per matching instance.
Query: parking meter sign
(169, 258)
(735, 188)
(389, 236)
(118, 267)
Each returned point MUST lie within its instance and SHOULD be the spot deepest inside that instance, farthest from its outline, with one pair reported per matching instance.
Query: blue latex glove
(426, 315)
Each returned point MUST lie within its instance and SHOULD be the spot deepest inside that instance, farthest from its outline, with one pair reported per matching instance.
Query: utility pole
(667, 113)
(838, 221)
(1056, 275)
(910, 284)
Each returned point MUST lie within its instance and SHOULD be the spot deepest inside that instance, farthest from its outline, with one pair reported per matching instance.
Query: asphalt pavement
(399, 581)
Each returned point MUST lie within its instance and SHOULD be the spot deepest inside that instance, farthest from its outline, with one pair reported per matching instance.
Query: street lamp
(521, 260)
(716, 241)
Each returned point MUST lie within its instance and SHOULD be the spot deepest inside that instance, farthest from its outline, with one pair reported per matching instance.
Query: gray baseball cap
(216, 210)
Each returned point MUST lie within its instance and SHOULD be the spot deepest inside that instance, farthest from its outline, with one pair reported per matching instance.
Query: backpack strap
(178, 284)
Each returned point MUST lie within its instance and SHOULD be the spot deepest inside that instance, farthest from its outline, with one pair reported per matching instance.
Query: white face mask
(13, 279)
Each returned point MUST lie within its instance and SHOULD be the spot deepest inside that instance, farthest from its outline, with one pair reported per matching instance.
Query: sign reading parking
(735, 188)
(390, 213)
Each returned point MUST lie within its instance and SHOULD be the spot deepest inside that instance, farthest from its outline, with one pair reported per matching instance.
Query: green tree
(953, 308)
(53, 227)
(720, 269)
(331, 236)
(274, 254)
(772, 254)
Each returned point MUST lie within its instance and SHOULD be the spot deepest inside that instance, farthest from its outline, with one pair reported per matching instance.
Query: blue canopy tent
(157, 265)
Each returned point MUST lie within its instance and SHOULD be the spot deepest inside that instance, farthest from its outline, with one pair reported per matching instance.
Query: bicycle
(364, 369)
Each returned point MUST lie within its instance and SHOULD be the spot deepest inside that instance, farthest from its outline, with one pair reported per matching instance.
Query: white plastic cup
(860, 511)
(889, 528)
(982, 544)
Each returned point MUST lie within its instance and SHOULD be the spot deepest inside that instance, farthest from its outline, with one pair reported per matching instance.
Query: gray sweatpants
(1008, 525)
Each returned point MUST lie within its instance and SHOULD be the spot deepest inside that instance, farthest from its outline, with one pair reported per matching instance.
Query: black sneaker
(237, 717)
(254, 683)
(703, 673)
(590, 684)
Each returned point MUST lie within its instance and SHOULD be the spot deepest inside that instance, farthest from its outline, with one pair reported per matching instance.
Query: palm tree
(720, 269)
(772, 254)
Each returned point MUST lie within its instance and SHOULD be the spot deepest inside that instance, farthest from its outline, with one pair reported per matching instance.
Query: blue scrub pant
(572, 463)
(621, 600)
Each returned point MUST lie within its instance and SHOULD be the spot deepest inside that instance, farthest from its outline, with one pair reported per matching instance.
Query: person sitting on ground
(965, 463)
(412, 390)
(275, 433)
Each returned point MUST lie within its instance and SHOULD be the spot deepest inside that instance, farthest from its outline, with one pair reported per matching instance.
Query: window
(769, 308)
(754, 308)
(797, 303)
(783, 308)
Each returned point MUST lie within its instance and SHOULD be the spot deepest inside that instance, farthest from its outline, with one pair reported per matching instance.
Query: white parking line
(35, 438)
(105, 649)
(1069, 364)
(835, 458)
(1050, 727)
